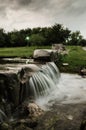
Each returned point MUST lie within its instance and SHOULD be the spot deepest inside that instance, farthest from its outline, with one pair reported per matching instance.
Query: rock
(24, 124)
(70, 117)
(34, 110)
(45, 55)
(9, 88)
(58, 47)
(9, 93)
(26, 72)
(22, 127)
(5, 126)
(2, 116)
(13, 87)
(65, 64)
(61, 49)
(64, 117)
(83, 72)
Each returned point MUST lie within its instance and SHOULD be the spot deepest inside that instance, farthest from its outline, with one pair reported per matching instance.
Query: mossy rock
(5, 126)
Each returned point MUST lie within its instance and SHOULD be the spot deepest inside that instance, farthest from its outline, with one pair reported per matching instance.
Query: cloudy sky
(20, 14)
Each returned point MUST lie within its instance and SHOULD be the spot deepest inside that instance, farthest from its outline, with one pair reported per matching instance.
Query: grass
(19, 51)
(76, 59)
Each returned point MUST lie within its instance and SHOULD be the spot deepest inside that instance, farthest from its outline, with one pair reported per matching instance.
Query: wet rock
(22, 127)
(9, 93)
(9, 88)
(34, 110)
(83, 72)
(26, 72)
(26, 123)
(64, 117)
(3, 116)
(5, 126)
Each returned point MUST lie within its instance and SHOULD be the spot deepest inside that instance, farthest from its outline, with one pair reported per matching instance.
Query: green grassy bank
(20, 51)
(76, 59)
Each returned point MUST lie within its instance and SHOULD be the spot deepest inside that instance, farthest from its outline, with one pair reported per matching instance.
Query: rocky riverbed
(64, 108)
(64, 117)
(59, 117)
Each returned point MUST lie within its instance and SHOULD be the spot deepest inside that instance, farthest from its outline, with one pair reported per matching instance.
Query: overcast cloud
(20, 14)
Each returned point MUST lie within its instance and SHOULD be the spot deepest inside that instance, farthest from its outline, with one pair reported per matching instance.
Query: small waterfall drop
(44, 80)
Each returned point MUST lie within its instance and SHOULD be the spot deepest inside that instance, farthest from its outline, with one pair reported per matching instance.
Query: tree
(2, 38)
(58, 34)
(75, 38)
(36, 30)
(45, 32)
(36, 39)
(17, 38)
(83, 42)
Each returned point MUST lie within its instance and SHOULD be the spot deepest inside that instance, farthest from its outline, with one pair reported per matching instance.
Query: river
(70, 89)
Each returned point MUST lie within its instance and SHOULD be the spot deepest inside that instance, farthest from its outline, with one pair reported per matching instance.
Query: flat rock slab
(64, 117)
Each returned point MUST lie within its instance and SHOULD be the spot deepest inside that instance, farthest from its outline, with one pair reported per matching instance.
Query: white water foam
(70, 89)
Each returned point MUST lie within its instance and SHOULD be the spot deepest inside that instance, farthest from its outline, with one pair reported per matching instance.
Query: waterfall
(44, 80)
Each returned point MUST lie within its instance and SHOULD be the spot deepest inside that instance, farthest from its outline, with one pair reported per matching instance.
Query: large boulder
(9, 88)
(9, 94)
(45, 54)
(58, 47)
(14, 87)
(61, 49)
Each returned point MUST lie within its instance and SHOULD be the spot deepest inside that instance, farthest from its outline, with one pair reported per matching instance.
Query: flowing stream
(48, 86)
(67, 89)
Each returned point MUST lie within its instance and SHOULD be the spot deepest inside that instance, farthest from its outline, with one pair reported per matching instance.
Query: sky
(22, 14)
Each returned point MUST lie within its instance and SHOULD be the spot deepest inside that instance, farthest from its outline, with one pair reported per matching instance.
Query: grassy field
(76, 57)
(19, 51)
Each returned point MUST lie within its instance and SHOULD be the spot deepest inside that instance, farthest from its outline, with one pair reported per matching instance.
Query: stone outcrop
(61, 49)
(14, 87)
(27, 117)
(58, 47)
(9, 88)
(9, 94)
(45, 55)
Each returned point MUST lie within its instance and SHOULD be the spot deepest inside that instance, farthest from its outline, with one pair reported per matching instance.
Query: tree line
(41, 36)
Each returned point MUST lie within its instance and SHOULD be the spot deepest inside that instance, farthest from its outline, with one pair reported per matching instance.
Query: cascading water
(44, 80)
(71, 89)
(44, 84)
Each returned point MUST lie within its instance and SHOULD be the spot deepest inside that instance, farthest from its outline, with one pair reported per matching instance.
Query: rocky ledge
(59, 117)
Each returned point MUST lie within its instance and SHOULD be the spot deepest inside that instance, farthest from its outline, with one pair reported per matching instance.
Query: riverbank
(75, 59)
(65, 107)
(58, 117)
